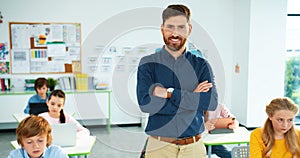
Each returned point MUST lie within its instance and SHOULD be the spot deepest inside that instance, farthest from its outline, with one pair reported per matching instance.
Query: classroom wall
(260, 51)
(229, 24)
(214, 16)
(241, 58)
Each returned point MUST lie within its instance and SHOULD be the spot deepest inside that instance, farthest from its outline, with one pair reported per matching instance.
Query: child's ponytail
(62, 117)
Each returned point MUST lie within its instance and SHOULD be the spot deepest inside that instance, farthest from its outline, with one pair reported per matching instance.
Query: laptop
(221, 126)
(64, 134)
(37, 108)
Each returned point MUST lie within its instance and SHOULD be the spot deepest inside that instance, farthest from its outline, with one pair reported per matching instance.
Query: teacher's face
(175, 31)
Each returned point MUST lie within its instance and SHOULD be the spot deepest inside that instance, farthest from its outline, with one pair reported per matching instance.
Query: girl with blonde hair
(278, 137)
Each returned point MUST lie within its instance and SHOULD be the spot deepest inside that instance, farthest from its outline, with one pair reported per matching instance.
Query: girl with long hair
(278, 137)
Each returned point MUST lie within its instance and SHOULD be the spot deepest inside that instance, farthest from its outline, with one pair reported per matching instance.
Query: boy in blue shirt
(34, 136)
(41, 87)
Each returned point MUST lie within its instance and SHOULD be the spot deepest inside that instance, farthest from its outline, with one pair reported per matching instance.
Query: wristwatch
(169, 92)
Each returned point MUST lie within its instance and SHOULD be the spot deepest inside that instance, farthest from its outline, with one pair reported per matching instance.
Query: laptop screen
(64, 134)
(37, 108)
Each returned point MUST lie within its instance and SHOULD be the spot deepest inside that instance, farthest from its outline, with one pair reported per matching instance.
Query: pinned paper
(56, 49)
(237, 68)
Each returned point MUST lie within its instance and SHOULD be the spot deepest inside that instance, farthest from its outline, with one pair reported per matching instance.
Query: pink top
(221, 112)
(69, 119)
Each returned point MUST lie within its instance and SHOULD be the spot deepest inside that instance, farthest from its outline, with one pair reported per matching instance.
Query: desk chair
(240, 152)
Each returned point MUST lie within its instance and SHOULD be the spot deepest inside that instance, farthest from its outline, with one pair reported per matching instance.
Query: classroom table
(83, 146)
(19, 117)
(240, 136)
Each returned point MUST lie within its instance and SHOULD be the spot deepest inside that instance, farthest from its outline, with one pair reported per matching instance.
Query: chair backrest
(240, 152)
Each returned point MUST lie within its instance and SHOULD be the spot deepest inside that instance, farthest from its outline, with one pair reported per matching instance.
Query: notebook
(221, 126)
(64, 134)
(37, 108)
(221, 131)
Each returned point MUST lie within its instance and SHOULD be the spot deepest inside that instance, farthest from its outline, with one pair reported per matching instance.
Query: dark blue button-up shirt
(182, 114)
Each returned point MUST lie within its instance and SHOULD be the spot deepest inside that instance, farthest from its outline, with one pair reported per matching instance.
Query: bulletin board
(44, 47)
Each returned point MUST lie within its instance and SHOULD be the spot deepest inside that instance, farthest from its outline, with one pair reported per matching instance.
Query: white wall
(239, 30)
(260, 50)
(240, 56)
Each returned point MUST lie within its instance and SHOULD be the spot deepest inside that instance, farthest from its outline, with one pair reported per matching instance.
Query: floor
(125, 142)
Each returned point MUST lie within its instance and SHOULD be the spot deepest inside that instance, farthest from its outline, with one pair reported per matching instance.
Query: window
(292, 70)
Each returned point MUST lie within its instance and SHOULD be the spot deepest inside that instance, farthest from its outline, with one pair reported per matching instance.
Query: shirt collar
(25, 154)
(167, 54)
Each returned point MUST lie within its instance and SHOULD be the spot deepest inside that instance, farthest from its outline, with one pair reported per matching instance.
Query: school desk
(240, 136)
(83, 146)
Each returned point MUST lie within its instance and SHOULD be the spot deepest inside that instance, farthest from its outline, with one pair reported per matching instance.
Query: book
(61, 83)
(72, 83)
(2, 82)
(67, 83)
(221, 131)
(81, 81)
(91, 83)
(29, 84)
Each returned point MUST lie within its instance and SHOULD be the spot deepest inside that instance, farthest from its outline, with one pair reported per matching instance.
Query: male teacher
(175, 88)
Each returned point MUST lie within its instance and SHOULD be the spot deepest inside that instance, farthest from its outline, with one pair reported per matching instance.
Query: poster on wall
(20, 61)
(20, 35)
(56, 49)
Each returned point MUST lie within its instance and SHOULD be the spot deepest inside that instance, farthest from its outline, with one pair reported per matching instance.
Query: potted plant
(52, 82)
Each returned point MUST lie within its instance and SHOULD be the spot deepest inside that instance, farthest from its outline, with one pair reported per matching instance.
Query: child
(41, 87)
(278, 137)
(56, 115)
(34, 136)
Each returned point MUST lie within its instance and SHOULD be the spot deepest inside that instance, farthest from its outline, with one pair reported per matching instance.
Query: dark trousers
(220, 150)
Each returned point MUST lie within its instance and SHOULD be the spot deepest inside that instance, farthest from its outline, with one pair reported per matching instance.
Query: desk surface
(83, 146)
(19, 117)
(241, 135)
